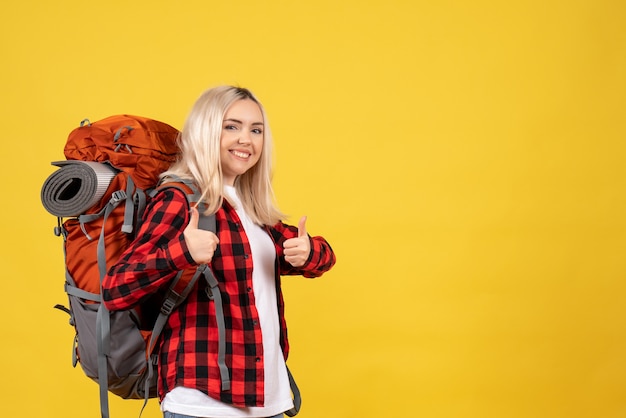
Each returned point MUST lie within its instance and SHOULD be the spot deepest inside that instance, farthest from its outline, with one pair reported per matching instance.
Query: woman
(226, 152)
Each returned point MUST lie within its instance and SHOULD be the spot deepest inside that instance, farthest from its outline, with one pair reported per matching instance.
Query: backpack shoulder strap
(193, 197)
(183, 283)
(297, 398)
(207, 223)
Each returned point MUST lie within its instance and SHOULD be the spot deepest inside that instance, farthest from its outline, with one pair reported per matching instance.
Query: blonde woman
(226, 152)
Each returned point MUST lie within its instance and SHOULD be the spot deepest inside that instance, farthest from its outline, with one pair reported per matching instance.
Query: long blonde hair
(199, 160)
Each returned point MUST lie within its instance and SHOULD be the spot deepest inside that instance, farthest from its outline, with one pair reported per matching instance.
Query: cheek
(225, 138)
(259, 150)
(223, 151)
(260, 146)
(257, 158)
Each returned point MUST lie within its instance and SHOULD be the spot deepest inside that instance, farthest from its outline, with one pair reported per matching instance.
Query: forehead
(244, 110)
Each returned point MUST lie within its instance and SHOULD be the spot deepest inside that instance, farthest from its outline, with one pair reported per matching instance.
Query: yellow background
(464, 158)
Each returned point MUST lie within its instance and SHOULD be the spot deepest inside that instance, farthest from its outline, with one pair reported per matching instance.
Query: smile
(240, 154)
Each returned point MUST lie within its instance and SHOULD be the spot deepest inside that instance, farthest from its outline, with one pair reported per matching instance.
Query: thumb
(302, 227)
(193, 220)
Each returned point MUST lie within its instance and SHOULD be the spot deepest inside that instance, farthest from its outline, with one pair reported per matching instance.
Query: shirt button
(249, 289)
(258, 359)
(246, 256)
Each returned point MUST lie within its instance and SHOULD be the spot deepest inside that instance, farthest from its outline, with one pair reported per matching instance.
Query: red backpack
(98, 195)
(132, 152)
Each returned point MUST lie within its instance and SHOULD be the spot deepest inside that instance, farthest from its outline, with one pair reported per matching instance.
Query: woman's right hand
(201, 243)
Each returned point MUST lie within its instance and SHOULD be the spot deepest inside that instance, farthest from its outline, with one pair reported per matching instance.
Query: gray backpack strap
(103, 333)
(116, 197)
(129, 210)
(208, 223)
(80, 293)
(140, 198)
(213, 292)
(103, 320)
(72, 290)
(171, 301)
(297, 399)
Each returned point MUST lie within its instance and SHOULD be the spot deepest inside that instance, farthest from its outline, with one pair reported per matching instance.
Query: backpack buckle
(118, 196)
(167, 306)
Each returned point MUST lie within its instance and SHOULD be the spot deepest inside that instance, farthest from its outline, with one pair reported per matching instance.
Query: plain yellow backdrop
(464, 158)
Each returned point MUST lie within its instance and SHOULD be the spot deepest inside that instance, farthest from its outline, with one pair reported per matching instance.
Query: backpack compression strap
(103, 318)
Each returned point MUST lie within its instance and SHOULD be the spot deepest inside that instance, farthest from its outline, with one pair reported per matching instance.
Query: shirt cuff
(179, 255)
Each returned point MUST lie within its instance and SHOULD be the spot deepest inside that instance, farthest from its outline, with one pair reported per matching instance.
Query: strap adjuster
(118, 196)
(167, 306)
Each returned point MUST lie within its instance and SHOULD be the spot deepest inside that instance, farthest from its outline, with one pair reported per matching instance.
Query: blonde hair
(199, 160)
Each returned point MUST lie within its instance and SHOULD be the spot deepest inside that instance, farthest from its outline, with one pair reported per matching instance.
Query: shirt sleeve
(158, 252)
(321, 259)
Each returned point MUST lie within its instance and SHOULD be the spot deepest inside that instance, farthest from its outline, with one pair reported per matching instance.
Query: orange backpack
(133, 151)
(99, 195)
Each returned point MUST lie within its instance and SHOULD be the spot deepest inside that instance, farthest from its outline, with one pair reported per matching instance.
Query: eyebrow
(238, 121)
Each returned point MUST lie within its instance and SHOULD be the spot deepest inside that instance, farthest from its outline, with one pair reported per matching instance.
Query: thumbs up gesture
(202, 244)
(297, 250)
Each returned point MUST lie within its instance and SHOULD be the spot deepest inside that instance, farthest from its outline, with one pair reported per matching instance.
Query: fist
(297, 250)
(201, 243)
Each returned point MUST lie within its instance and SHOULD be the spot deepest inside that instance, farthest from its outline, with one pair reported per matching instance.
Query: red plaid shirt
(189, 342)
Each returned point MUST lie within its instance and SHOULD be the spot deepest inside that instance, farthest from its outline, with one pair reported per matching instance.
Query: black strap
(297, 399)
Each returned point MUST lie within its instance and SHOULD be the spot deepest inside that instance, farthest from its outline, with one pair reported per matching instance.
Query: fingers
(202, 244)
(302, 233)
(302, 227)
(297, 250)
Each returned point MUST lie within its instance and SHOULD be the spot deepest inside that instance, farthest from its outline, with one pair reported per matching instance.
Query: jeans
(168, 414)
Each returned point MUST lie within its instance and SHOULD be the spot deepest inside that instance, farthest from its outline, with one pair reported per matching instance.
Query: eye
(257, 131)
(230, 127)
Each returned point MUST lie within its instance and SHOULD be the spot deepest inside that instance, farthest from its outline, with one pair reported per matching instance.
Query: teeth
(241, 154)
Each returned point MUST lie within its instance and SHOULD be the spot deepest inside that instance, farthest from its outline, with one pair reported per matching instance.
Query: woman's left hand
(297, 250)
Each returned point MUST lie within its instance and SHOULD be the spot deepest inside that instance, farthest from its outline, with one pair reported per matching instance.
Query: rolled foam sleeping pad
(75, 187)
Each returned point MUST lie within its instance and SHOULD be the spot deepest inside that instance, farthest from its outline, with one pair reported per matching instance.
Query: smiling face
(241, 141)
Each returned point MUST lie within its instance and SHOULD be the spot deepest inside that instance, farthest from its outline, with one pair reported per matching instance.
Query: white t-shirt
(277, 390)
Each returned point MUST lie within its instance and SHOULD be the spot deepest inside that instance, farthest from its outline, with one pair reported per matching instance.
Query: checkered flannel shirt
(189, 343)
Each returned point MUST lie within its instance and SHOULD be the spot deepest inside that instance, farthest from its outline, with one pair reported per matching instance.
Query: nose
(245, 137)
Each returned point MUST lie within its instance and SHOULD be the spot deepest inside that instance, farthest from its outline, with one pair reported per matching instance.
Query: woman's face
(241, 140)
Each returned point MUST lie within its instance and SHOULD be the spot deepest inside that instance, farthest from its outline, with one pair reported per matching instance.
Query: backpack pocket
(126, 360)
